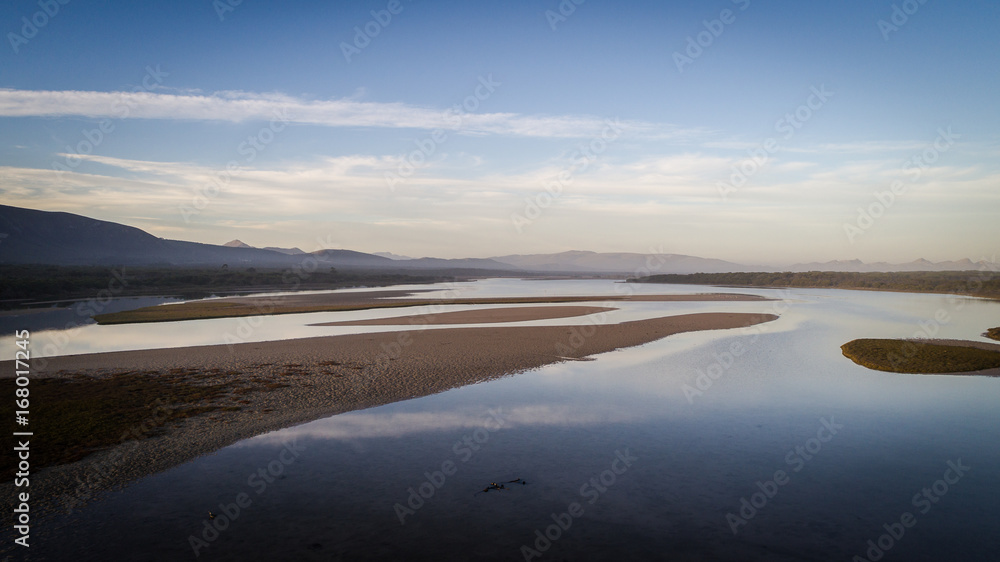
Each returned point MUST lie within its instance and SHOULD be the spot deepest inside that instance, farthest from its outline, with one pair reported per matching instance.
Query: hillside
(42, 237)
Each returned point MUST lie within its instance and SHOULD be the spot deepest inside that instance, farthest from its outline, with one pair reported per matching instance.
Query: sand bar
(483, 316)
(324, 376)
(232, 307)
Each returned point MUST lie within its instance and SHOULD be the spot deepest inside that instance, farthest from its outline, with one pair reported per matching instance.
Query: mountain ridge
(60, 238)
(29, 236)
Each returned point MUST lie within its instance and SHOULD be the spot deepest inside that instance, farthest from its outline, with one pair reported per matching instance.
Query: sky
(758, 132)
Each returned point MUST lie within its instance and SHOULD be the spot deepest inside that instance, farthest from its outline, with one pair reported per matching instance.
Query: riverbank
(254, 388)
(234, 307)
(479, 316)
(983, 283)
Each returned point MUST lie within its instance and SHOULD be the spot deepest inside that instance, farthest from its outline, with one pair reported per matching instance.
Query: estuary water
(751, 444)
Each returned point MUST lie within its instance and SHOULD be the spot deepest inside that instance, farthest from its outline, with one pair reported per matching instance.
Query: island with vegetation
(973, 283)
(923, 356)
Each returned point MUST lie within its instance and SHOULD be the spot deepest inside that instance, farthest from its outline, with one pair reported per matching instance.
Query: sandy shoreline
(400, 296)
(481, 316)
(232, 307)
(325, 376)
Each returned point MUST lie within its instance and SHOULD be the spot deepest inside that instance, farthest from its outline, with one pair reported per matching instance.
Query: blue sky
(459, 129)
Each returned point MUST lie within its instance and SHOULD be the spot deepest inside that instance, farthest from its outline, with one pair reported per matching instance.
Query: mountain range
(43, 237)
(29, 236)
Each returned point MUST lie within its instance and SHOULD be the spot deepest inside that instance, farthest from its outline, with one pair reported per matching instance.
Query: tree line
(977, 283)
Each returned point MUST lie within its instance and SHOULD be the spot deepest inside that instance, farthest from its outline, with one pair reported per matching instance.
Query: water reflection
(69, 314)
(697, 456)
(363, 425)
(92, 338)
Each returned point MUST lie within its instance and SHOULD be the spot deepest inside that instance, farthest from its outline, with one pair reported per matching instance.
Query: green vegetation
(977, 283)
(19, 283)
(993, 333)
(907, 356)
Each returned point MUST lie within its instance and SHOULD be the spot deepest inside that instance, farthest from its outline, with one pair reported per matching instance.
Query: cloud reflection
(371, 424)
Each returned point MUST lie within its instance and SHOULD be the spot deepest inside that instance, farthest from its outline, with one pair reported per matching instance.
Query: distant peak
(392, 256)
(237, 244)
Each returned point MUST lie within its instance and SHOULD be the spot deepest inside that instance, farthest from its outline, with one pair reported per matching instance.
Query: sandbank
(232, 307)
(324, 376)
(482, 316)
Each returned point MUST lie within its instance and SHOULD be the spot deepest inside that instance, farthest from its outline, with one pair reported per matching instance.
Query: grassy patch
(993, 333)
(72, 418)
(903, 356)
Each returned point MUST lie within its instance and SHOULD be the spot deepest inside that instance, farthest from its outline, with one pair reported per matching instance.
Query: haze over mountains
(41, 237)
(286, 251)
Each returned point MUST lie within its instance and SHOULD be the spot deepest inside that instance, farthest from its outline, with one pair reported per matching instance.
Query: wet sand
(324, 376)
(485, 316)
(399, 296)
(232, 307)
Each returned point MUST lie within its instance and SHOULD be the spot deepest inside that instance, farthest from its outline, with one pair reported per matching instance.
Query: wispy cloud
(365, 425)
(238, 106)
(647, 200)
(864, 147)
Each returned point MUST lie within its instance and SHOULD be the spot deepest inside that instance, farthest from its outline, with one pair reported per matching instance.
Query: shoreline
(925, 356)
(297, 381)
(989, 297)
(480, 316)
(235, 307)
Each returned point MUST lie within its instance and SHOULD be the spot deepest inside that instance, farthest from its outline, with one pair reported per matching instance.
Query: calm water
(627, 452)
(87, 337)
(71, 314)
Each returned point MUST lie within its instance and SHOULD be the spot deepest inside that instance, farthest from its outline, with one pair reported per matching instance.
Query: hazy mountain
(392, 256)
(68, 239)
(461, 263)
(915, 265)
(286, 251)
(29, 236)
(594, 262)
(350, 258)
(623, 262)
(295, 251)
(358, 259)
